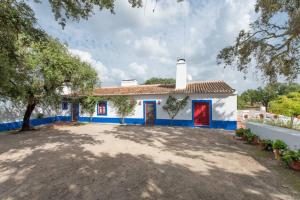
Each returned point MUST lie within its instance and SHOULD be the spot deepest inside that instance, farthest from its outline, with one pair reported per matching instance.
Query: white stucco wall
(13, 112)
(224, 107)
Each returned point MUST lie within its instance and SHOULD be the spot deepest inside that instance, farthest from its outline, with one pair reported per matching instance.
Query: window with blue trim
(102, 108)
(64, 105)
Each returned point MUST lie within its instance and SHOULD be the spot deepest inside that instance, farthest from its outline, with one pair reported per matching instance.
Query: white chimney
(131, 82)
(181, 74)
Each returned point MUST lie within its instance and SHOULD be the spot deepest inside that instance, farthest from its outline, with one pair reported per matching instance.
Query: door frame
(72, 114)
(144, 110)
(210, 112)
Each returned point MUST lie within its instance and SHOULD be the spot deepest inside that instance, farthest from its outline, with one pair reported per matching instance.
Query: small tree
(123, 105)
(288, 105)
(173, 105)
(88, 104)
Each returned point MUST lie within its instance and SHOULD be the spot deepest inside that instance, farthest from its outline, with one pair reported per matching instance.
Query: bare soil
(96, 161)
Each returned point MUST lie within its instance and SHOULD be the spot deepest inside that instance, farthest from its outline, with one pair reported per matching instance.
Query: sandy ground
(97, 161)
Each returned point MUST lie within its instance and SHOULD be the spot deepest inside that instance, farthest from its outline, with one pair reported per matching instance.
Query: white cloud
(140, 43)
(148, 46)
(138, 69)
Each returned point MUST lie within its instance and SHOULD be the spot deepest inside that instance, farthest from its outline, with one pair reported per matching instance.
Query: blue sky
(140, 43)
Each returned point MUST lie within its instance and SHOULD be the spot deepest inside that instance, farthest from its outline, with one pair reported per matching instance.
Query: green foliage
(264, 95)
(279, 144)
(250, 136)
(241, 103)
(240, 132)
(46, 68)
(289, 156)
(285, 88)
(88, 104)
(155, 80)
(17, 29)
(267, 144)
(288, 105)
(124, 105)
(270, 43)
(173, 105)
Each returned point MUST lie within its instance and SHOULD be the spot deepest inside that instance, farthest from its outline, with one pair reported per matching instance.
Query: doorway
(150, 112)
(75, 112)
(201, 114)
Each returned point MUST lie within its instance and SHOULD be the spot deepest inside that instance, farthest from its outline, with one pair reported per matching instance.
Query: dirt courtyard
(96, 161)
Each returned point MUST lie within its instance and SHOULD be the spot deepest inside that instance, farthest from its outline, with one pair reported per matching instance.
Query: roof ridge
(207, 81)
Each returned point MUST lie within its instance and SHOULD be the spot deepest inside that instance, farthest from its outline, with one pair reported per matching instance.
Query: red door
(201, 114)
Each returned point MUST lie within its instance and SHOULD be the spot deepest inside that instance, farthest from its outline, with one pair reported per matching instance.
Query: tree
(272, 42)
(265, 95)
(124, 106)
(288, 105)
(18, 26)
(241, 103)
(88, 104)
(285, 88)
(173, 105)
(250, 96)
(155, 80)
(46, 68)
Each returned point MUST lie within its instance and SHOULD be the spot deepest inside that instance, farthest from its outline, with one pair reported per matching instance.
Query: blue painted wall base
(227, 125)
(33, 122)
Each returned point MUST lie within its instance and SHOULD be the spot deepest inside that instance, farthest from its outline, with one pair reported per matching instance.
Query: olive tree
(47, 67)
(124, 106)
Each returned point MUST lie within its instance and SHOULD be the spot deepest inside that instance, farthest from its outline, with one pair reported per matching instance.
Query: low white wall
(264, 131)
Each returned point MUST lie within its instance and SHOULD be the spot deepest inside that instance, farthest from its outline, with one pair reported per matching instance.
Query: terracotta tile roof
(204, 87)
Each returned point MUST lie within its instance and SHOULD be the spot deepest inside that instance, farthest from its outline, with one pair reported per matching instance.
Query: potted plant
(251, 137)
(278, 147)
(266, 145)
(239, 133)
(292, 159)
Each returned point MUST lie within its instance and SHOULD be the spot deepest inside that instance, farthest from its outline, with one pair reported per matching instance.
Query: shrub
(289, 156)
(240, 132)
(267, 144)
(279, 144)
(250, 136)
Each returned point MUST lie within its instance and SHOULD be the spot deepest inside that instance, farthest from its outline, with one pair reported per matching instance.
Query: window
(64, 105)
(102, 108)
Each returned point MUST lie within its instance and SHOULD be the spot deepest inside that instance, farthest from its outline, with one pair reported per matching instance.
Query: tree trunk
(292, 121)
(26, 119)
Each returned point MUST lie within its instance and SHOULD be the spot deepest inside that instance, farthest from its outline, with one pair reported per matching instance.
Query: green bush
(240, 132)
(279, 144)
(250, 136)
(268, 144)
(289, 156)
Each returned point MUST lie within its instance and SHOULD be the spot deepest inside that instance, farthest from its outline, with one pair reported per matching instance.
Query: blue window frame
(102, 108)
(64, 105)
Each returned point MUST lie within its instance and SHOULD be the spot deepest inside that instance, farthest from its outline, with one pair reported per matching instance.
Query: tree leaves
(155, 80)
(173, 105)
(272, 44)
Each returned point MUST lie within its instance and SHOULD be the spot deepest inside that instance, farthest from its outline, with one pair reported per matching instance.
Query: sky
(137, 43)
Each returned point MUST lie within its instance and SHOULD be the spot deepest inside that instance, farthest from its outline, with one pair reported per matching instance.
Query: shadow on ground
(108, 162)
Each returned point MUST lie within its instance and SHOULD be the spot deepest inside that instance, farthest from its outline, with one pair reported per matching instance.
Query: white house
(211, 104)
